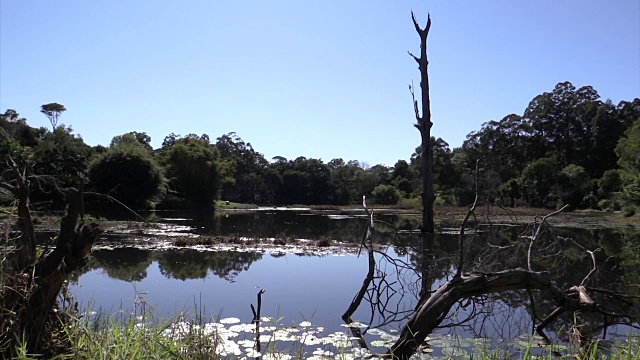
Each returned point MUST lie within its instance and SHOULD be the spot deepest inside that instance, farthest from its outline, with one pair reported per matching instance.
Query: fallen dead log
(433, 310)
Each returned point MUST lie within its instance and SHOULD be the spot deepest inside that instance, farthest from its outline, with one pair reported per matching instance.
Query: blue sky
(321, 79)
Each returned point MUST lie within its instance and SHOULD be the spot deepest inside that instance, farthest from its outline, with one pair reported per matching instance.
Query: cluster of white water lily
(234, 339)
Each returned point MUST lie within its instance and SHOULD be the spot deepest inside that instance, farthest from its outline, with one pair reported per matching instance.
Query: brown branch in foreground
(26, 249)
(539, 328)
(538, 232)
(433, 309)
(35, 283)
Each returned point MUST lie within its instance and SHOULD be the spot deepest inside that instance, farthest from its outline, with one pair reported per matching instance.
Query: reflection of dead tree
(376, 289)
(357, 300)
(257, 317)
(33, 282)
(498, 270)
(368, 245)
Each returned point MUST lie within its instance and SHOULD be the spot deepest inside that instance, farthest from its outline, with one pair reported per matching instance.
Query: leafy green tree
(607, 126)
(402, 176)
(539, 179)
(16, 139)
(14, 127)
(385, 195)
(318, 177)
(504, 146)
(510, 191)
(629, 112)
(194, 169)
(131, 137)
(249, 167)
(10, 115)
(60, 158)
(575, 185)
(304, 181)
(404, 185)
(465, 183)
(294, 188)
(609, 184)
(372, 177)
(446, 174)
(628, 151)
(344, 181)
(64, 156)
(53, 111)
(401, 169)
(571, 125)
(570, 122)
(129, 173)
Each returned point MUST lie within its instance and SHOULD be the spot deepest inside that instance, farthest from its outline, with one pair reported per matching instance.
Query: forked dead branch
(490, 275)
(490, 270)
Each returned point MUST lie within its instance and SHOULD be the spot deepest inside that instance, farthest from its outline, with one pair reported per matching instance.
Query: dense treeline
(569, 146)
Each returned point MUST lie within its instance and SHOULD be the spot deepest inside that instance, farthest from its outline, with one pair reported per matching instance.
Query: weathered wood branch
(73, 245)
(417, 59)
(434, 309)
(40, 280)
(424, 124)
(537, 233)
(593, 267)
(256, 319)
(26, 247)
(423, 32)
(539, 328)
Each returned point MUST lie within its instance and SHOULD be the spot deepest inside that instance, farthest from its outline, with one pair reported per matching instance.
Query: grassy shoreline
(187, 336)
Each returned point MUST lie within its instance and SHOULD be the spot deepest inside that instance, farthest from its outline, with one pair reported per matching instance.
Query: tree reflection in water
(127, 264)
(131, 264)
(193, 264)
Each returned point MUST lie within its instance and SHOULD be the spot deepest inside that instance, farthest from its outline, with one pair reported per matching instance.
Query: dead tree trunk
(31, 288)
(424, 125)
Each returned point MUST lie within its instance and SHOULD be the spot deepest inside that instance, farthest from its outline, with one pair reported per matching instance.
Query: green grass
(186, 336)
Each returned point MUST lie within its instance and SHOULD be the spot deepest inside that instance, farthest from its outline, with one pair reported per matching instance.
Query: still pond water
(300, 284)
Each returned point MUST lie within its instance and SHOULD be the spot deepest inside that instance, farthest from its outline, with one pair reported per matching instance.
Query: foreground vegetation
(138, 335)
